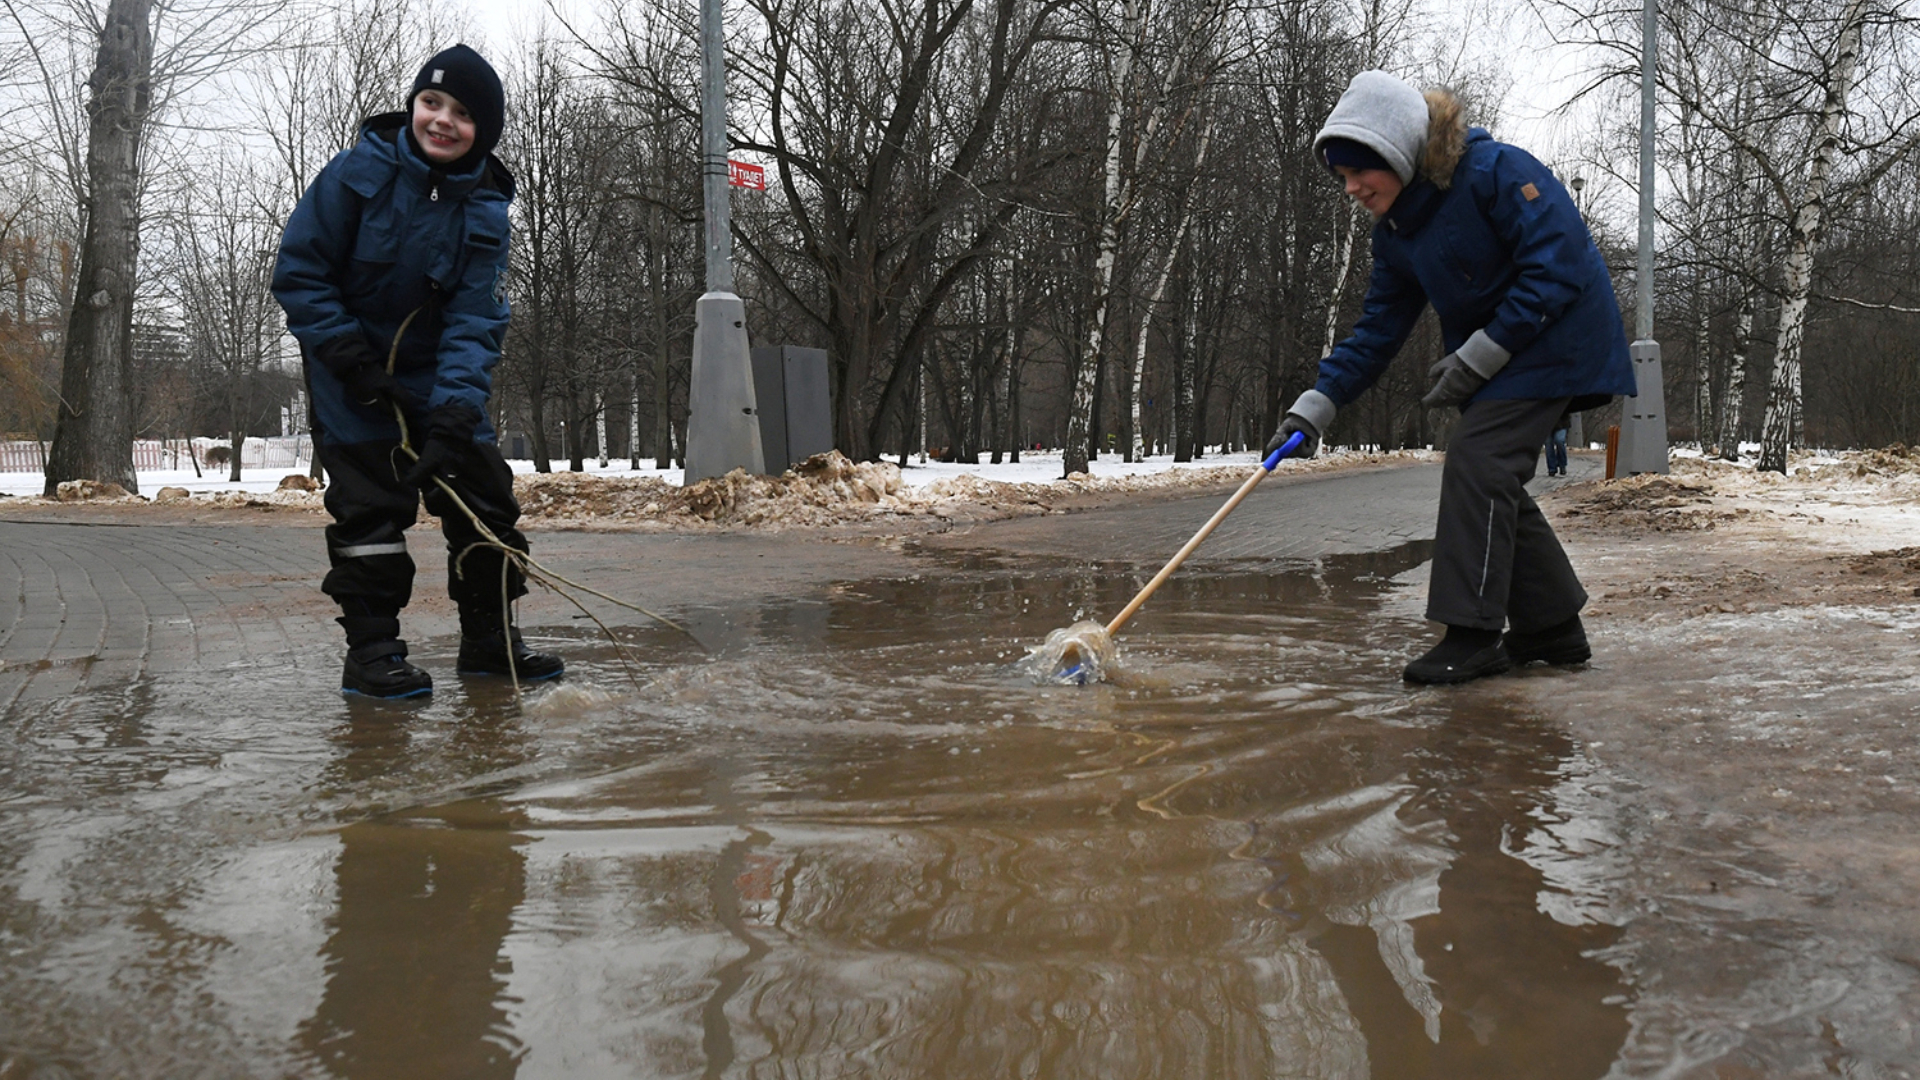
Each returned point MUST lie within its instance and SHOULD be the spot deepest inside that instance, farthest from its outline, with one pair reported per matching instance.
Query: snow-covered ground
(1035, 467)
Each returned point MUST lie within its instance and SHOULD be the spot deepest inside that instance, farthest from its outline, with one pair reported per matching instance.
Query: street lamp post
(723, 425)
(1576, 430)
(1643, 427)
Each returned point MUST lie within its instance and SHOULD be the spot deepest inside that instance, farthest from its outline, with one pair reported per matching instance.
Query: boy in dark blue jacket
(391, 271)
(1484, 233)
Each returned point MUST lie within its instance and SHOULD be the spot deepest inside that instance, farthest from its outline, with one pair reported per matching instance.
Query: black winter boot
(377, 660)
(1463, 655)
(483, 650)
(1563, 643)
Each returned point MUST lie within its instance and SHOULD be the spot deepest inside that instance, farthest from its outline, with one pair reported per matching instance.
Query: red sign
(741, 174)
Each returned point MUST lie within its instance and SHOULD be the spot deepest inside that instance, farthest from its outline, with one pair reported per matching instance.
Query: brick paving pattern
(86, 605)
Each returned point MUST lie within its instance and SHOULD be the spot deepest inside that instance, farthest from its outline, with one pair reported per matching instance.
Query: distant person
(1484, 233)
(1557, 446)
(404, 236)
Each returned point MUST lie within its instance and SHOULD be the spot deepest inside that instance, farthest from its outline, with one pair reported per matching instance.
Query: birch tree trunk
(1183, 394)
(1703, 418)
(600, 426)
(1341, 271)
(1016, 348)
(1783, 392)
(1174, 247)
(662, 352)
(93, 434)
(1735, 392)
(1080, 411)
(633, 419)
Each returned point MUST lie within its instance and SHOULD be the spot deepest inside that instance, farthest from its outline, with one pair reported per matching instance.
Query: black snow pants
(1496, 562)
(372, 573)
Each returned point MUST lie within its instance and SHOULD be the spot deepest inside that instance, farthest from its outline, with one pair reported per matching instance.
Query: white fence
(153, 455)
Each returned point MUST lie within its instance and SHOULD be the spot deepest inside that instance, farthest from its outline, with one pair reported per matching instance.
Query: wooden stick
(1205, 531)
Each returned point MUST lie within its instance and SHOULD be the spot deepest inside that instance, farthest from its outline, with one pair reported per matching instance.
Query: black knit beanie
(1353, 154)
(466, 76)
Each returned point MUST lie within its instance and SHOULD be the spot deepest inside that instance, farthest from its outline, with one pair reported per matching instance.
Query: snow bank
(1859, 500)
(828, 489)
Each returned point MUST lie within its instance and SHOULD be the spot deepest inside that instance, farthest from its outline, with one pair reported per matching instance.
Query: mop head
(1074, 656)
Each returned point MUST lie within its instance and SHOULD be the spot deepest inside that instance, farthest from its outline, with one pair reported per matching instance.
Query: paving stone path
(89, 604)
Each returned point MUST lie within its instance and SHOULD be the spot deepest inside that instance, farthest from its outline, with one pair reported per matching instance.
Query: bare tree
(1157, 99)
(875, 167)
(1809, 218)
(135, 69)
(93, 437)
(1778, 87)
(224, 249)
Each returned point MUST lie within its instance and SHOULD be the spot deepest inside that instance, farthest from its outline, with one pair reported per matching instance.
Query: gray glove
(1455, 383)
(1310, 414)
(1460, 374)
(1293, 422)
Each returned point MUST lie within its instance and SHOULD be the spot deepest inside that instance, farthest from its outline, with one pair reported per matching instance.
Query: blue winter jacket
(378, 235)
(1501, 248)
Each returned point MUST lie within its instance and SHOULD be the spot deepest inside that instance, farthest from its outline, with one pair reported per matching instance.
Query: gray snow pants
(1496, 561)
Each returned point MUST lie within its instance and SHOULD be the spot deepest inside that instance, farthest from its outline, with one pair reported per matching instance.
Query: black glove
(1295, 422)
(365, 378)
(375, 387)
(1455, 382)
(449, 438)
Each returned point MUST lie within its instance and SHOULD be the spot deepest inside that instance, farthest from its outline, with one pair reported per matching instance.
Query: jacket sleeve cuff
(1483, 354)
(1315, 408)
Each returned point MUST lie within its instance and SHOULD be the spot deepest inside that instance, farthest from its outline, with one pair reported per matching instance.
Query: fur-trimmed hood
(1446, 137)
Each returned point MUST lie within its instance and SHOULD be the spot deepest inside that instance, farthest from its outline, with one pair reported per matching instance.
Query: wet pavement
(835, 839)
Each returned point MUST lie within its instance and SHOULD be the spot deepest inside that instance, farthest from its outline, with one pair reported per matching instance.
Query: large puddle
(842, 843)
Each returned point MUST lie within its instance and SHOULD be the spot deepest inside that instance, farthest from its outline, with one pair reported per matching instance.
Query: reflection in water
(1498, 986)
(415, 979)
(1278, 863)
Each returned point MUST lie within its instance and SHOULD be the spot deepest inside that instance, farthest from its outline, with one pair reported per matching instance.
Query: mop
(1084, 652)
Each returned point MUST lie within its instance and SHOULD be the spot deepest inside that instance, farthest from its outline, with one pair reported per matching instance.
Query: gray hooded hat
(1381, 112)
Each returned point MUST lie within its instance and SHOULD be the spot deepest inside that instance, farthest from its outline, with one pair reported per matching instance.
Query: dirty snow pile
(829, 489)
(823, 491)
(296, 491)
(1858, 499)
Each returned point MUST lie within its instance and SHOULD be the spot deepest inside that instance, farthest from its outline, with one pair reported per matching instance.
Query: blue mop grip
(1293, 443)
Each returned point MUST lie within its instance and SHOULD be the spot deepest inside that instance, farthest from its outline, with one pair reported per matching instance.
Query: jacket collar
(1413, 208)
(385, 136)
(1420, 200)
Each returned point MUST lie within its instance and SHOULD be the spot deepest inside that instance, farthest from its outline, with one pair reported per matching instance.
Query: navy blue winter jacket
(380, 234)
(1501, 248)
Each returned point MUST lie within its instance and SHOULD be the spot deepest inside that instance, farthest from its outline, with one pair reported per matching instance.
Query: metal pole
(723, 422)
(713, 148)
(1649, 33)
(1643, 428)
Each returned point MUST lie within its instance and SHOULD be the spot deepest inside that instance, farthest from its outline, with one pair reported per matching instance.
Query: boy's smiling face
(1374, 189)
(442, 127)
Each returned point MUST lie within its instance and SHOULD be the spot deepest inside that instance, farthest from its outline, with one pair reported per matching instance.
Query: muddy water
(843, 843)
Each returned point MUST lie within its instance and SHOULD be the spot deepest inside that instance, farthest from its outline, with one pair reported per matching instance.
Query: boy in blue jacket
(391, 273)
(1484, 233)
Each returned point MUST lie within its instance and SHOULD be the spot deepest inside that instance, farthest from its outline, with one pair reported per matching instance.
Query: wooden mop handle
(1205, 530)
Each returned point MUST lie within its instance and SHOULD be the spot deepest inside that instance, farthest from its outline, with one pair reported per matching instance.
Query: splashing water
(571, 701)
(1072, 656)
